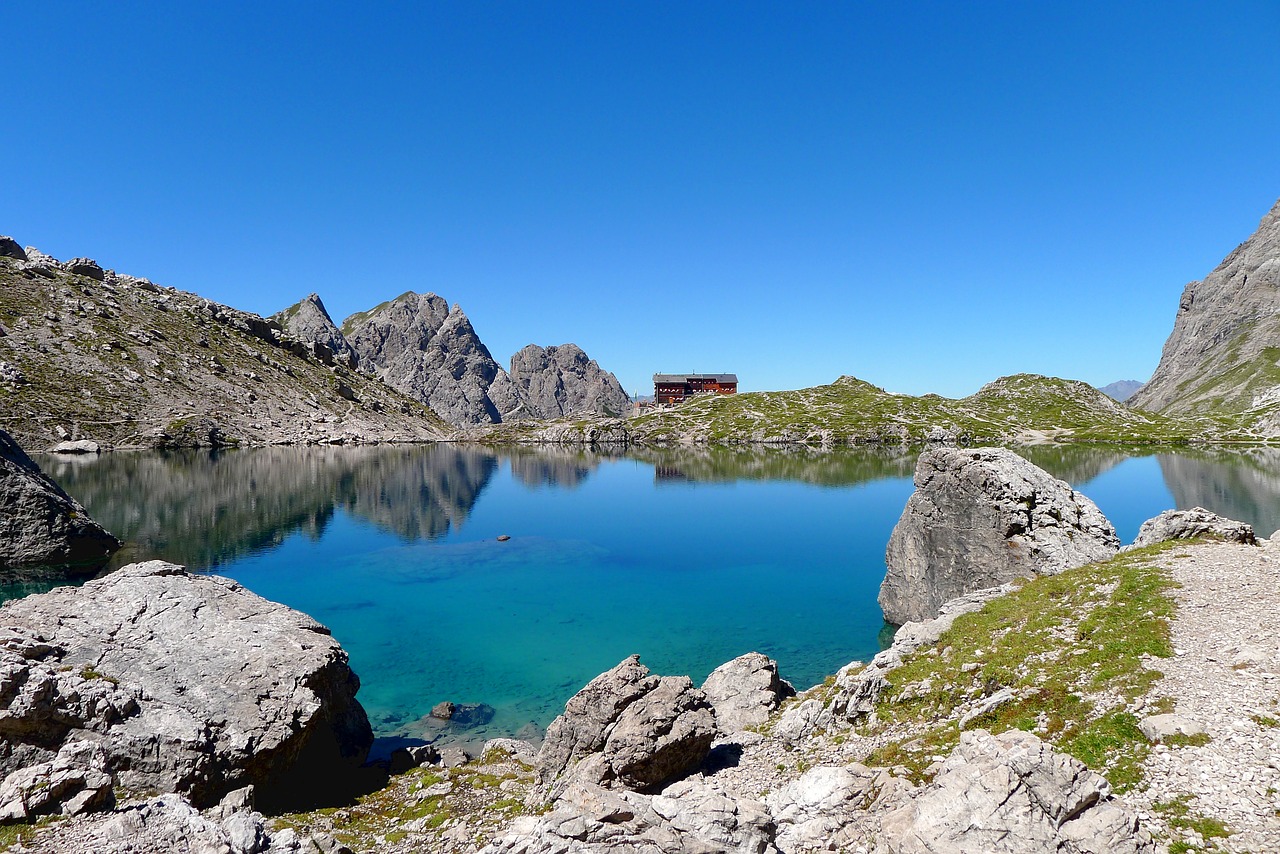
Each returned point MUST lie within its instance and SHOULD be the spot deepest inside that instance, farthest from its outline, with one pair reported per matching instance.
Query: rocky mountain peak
(309, 321)
(424, 347)
(563, 380)
(1222, 354)
(418, 344)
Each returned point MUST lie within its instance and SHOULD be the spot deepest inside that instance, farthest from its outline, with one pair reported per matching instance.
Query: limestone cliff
(1222, 354)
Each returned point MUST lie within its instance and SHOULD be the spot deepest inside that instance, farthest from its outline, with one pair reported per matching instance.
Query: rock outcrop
(559, 381)
(41, 524)
(979, 518)
(745, 691)
(309, 322)
(626, 729)
(191, 684)
(1221, 355)
(1196, 522)
(1009, 794)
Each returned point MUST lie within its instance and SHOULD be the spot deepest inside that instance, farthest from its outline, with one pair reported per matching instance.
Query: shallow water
(688, 558)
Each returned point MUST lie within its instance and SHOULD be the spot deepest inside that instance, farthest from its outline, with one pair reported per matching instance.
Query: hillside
(1022, 408)
(1223, 355)
(89, 353)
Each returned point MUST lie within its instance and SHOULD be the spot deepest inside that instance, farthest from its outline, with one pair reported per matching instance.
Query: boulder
(1160, 728)
(1008, 794)
(85, 267)
(190, 683)
(9, 248)
(41, 524)
(405, 758)
(626, 729)
(826, 809)
(1196, 522)
(745, 691)
(981, 517)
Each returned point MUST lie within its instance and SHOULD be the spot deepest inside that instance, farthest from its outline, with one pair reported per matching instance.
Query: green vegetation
(1019, 408)
(87, 672)
(1069, 647)
(1179, 815)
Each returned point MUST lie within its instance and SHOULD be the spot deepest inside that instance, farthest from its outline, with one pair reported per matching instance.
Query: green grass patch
(1055, 642)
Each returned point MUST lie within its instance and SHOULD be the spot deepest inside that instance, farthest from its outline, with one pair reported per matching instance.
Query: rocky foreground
(1125, 705)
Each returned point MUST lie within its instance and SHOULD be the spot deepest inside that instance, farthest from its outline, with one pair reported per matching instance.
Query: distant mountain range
(1121, 390)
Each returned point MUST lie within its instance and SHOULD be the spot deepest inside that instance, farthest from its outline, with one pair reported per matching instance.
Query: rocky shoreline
(956, 738)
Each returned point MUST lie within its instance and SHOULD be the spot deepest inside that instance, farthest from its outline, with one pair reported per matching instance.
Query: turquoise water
(687, 559)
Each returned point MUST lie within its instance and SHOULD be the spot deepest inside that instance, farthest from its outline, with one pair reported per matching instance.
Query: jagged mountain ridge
(89, 353)
(1223, 355)
(420, 345)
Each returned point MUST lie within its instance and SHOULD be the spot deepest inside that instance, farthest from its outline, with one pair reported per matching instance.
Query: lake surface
(687, 558)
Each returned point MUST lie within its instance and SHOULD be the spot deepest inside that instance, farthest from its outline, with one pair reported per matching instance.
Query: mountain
(1222, 356)
(419, 345)
(89, 353)
(561, 381)
(1121, 390)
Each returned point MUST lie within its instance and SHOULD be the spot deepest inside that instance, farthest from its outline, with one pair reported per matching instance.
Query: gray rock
(521, 751)
(41, 524)
(76, 781)
(1216, 356)
(626, 729)
(561, 381)
(834, 808)
(85, 267)
(10, 374)
(79, 446)
(689, 817)
(1196, 522)
(745, 691)
(170, 824)
(1160, 728)
(406, 758)
(1010, 794)
(981, 517)
(309, 321)
(9, 248)
(455, 757)
(191, 683)
(417, 344)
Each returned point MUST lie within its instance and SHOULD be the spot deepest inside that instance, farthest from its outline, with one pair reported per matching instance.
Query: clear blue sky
(924, 195)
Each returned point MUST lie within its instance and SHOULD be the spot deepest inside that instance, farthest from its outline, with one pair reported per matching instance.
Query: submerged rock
(981, 517)
(1196, 522)
(41, 524)
(190, 683)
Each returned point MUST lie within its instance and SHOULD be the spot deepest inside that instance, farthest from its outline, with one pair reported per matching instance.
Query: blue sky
(923, 195)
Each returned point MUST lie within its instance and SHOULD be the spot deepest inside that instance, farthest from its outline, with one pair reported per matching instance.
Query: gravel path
(1225, 676)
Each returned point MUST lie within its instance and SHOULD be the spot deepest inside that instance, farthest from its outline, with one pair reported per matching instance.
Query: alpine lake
(688, 557)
